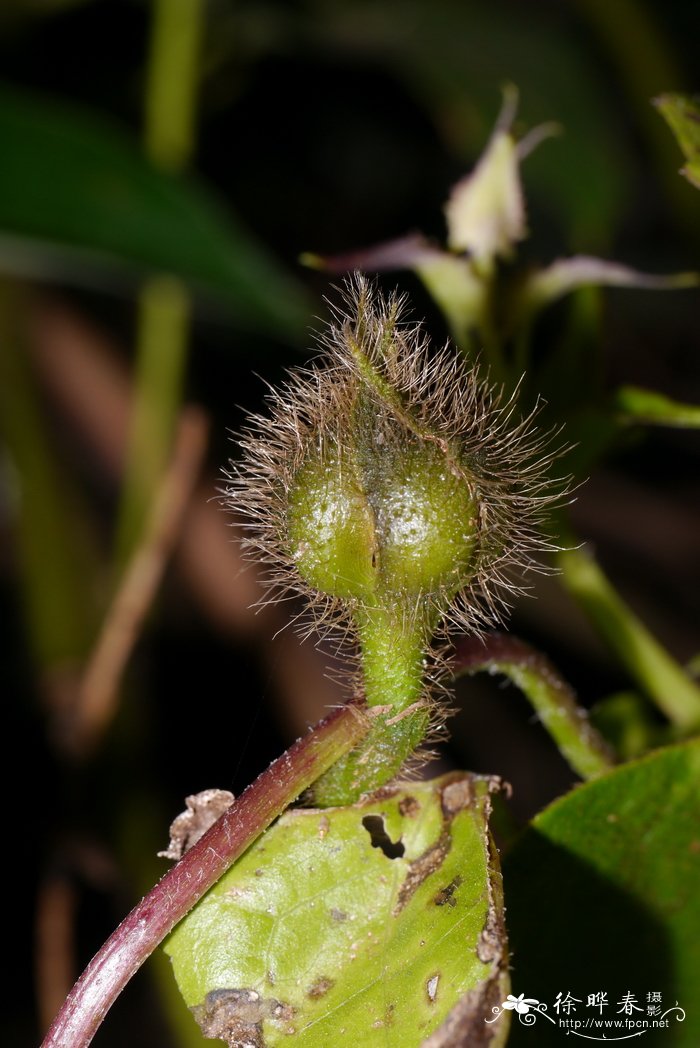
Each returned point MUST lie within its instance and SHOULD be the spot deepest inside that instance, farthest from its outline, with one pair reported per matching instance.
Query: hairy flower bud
(391, 487)
(387, 520)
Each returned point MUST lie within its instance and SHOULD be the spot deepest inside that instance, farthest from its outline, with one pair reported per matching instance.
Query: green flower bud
(390, 486)
(388, 520)
(331, 527)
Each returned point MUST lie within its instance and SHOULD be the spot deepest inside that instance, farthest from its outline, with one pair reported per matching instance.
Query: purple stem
(552, 698)
(480, 652)
(182, 886)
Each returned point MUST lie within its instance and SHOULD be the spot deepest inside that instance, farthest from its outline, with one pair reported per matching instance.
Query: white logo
(621, 1025)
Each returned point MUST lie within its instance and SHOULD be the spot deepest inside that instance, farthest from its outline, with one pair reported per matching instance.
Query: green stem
(660, 676)
(553, 699)
(161, 356)
(392, 654)
(164, 306)
(172, 78)
(491, 347)
(493, 355)
(55, 559)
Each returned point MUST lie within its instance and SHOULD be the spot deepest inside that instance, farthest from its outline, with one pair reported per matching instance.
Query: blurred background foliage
(162, 167)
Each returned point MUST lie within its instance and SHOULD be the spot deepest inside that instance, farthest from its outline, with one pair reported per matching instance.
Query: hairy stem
(392, 656)
(553, 699)
(177, 892)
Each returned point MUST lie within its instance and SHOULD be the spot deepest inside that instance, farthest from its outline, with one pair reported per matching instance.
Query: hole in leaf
(374, 824)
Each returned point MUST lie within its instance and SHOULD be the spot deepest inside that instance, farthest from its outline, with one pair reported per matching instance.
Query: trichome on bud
(400, 495)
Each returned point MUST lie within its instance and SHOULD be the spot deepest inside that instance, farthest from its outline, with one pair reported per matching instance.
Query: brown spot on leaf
(236, 1016)
(464, 1026)
(421, 868)
(321, 987)
(446, 894)
(409, 807)
(491, 946)
(431, 987)
(456, 796)
(490, 943)
(338, 915)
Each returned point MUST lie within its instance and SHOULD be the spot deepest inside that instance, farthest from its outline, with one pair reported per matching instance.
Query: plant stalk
(172, 77)
(54, 563)
(392, 652)
(649, 664)
(392, 655)
(177, 892)
(554, 701)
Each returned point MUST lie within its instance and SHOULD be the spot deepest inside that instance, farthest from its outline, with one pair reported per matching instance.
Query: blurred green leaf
(455, 57)
(460, 293)
(626, 719)
(78, 202)
(682, 114)
(603, 894)
(545, 286)
(368, 924)
(644, 406)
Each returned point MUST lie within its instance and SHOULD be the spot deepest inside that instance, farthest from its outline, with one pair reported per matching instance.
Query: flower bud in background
(396, 491)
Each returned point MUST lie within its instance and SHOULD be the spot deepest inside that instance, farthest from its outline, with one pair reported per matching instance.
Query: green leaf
(682, 114)
(603, 895)
(79, 202)
(644, 406)
(460, 293)
(627, 720)
(379, 923)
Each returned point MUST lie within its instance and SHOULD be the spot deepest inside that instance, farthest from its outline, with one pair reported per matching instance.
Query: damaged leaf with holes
(380, 923)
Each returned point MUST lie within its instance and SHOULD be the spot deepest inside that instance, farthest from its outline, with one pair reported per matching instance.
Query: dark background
(325, 127)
